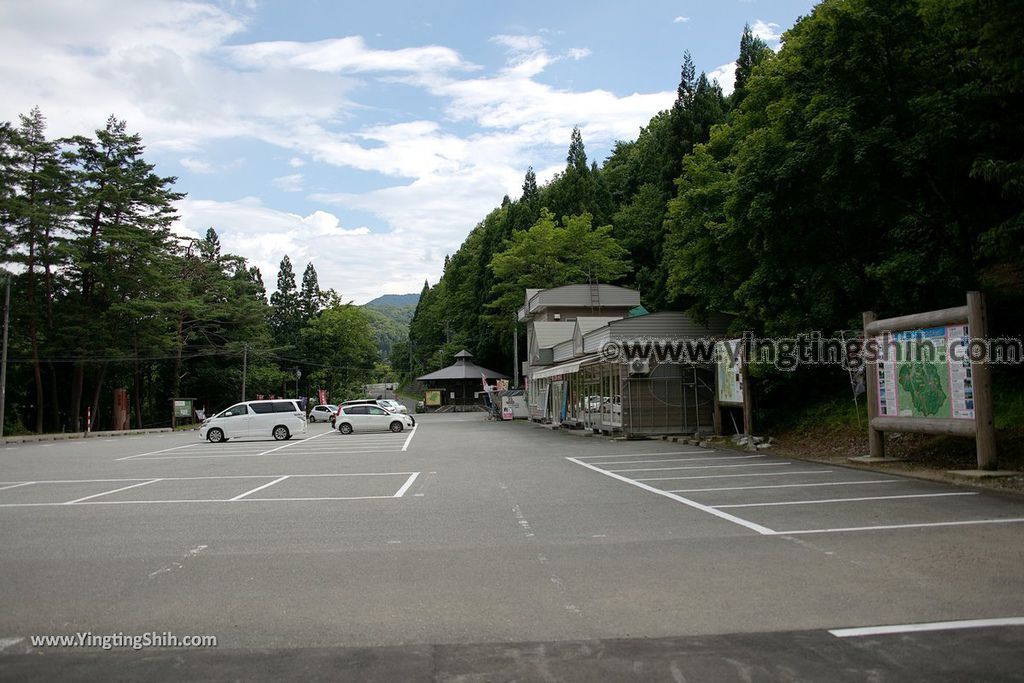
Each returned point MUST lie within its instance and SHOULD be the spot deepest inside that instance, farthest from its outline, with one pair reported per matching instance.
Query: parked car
(280, 419)
(366, 417)
(322, 413)
(353, 402)
(392, 405)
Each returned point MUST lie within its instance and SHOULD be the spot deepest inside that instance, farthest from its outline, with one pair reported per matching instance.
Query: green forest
(105, 295)
(875, 162)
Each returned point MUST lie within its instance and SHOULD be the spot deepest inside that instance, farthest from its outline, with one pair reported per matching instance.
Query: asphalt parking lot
(468, 548)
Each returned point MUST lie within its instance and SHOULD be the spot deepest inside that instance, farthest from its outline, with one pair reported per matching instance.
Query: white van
(281, 419)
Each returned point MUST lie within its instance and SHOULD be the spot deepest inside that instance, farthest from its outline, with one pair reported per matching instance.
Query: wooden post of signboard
(876, 439)
(748, 407)
(985, 431)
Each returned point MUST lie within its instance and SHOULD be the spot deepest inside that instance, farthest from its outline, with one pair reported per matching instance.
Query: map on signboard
(730, 379)
(926, 373)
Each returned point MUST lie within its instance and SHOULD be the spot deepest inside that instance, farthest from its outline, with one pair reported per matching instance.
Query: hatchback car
(367, 417)
(322, 413)
(280, 419)
(392, 405)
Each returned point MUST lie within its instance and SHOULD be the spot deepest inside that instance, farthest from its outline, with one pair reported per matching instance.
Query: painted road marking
(14, 486)
(885, 527)
(107, 493)
(845, 500)
(726, 476)
(640, 455)
(685, 501)
(789, 486)
(260, 488)
(412, 433)
(702, 467)
(716, 457)
(162, 450)
(406, 485)
(931, 626)
(293, 443)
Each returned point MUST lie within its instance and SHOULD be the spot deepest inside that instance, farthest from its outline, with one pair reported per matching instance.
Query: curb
(33, 438)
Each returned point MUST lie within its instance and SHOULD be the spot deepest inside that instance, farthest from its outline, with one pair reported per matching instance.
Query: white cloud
(768, 31)
(681, 20)
(519, 43)
(725, 75)
(341, 256)
(197, 165)
(166, 66)
(344, 55)
(289, 183)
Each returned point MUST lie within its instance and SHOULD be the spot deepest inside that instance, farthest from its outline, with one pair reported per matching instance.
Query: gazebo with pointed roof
(463, 379)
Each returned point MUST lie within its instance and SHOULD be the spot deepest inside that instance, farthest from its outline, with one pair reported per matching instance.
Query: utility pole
(245, 366)
(515, 354)
(3, 362)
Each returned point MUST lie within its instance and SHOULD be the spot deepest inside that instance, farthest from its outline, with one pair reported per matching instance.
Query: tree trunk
(137, 390)
(55, 420)
(77, 382)
(96, 394)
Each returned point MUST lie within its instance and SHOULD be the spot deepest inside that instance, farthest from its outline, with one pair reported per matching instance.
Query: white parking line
(763, 530)
(932, 626)
(640, 455)
(703, 467)
(886, 527)
(293, 443)
(716, 457)
(162, 450)
(843, 500)
(788, 486)
(406, 485)
(14, 486)
(260, 488)
(729, 476)
(107, 493)
(412, 433)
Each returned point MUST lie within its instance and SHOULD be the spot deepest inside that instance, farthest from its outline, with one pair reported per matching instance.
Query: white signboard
(730, 378)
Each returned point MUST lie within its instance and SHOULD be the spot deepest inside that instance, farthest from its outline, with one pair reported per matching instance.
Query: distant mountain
(389, 319)
(395, 300)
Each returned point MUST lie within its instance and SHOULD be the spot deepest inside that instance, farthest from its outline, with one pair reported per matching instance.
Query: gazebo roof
(463, 368)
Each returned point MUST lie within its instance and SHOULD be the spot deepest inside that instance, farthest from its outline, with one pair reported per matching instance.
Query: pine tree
(285, 316)
(753, 51)
(310, 297)
(209, 248)
(577, 157)
(529, 186)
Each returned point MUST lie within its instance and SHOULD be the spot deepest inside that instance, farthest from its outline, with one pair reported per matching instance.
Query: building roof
(592, 296)
(462, 368)
(671, 324)
(586, 324)
(549, 333)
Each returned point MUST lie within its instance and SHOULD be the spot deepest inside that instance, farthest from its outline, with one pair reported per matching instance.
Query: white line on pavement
(843, 500)
(260, 488)
(685, 501)
(789, 486)
(406, 485)
(163, 450)
(703, 467)
(412, 433)
(729, 476)
(107, 493)
(932, 626)
(887, 527)
(293, 443)
(14, 486)
(716, 457)
(639, 455)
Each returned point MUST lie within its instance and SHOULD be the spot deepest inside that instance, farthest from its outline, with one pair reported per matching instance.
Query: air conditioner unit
(558, 316)
(640, 366)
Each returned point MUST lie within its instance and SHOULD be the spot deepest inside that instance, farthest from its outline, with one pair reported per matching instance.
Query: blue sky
(366, 138)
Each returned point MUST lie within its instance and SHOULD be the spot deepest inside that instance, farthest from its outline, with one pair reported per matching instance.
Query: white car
(367, 417)
(322, 413)
(280, 419)
(393, 405)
